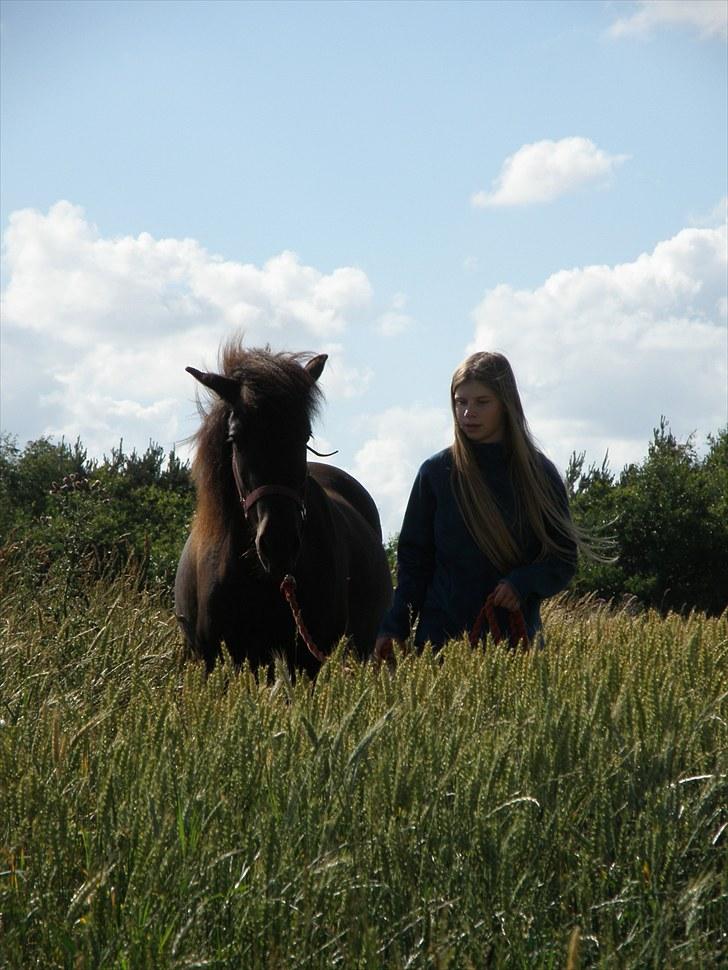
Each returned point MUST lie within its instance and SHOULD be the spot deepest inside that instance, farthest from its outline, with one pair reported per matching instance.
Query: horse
(285, 556)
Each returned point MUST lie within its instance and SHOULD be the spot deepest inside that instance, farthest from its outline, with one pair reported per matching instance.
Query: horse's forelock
(267, 376)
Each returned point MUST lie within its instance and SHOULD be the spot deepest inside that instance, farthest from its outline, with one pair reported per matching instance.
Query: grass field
(563, 808)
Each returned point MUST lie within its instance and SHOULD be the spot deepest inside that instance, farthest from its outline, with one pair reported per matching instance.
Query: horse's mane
(277, 382)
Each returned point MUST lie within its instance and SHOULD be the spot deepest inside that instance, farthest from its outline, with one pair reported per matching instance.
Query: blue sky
(393, 183)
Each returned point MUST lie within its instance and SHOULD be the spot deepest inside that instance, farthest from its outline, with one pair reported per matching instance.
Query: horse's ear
(225, 387)
(315, 366)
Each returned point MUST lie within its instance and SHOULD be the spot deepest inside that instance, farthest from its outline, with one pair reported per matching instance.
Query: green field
(563, 808)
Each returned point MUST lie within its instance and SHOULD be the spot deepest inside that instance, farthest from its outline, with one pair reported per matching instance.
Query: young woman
(487, 515)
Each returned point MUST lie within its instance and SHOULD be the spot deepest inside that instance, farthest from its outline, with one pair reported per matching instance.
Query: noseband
(248, 499)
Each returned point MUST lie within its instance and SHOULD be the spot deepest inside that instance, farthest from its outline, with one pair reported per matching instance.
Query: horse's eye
(235, 429)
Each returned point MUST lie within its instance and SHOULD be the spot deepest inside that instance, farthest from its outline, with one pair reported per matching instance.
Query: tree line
(667, 517)
(64, 513)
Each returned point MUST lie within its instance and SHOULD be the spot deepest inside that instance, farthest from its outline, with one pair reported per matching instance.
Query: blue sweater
(443, 578)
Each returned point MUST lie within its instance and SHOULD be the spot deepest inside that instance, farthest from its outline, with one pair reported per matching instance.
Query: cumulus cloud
(110, 324)
(708, 17)
(395, 321)
(543, 170)
(717, 216)
(397, 442)
(601, 352)
(342, 380)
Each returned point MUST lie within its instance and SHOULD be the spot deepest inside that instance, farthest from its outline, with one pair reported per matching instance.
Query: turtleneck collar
(488, 449)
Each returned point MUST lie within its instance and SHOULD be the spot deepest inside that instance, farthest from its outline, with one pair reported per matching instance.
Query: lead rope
(288, 588)
(516, 634)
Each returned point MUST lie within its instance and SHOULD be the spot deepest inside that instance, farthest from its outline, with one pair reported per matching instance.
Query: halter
(248, 499)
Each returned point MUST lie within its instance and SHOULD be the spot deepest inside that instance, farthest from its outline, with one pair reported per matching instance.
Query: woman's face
(478, 412)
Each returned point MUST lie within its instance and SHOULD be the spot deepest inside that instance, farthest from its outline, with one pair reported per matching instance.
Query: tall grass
(481, 809)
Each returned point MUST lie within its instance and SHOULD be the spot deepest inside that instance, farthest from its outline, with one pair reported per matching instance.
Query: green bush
(669, 518)
(86, 518)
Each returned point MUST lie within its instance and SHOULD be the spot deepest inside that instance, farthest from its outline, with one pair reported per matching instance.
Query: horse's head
(270, 402)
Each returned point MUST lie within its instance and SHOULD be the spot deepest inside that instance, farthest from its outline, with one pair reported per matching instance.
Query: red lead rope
(516, 634)
(288, 588)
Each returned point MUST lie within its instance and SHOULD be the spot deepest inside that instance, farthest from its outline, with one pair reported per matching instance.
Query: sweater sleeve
(553, 572)
(415, 559)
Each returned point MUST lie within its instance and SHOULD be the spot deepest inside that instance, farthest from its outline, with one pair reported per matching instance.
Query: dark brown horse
(263, 512)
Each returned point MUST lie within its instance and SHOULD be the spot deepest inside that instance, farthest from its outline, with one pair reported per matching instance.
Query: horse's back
(337, 481)
(369, 579)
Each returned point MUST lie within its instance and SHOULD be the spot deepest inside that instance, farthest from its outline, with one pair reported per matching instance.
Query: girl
(487, 515)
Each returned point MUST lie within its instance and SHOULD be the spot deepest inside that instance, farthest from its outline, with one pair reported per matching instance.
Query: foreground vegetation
(485, 809)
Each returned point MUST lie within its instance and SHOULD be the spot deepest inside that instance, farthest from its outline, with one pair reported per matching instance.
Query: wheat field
(560, 808)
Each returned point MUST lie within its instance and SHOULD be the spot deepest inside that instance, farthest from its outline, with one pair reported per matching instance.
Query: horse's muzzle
(278, 544)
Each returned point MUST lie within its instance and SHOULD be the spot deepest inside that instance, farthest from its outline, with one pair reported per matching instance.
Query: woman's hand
(505, 595)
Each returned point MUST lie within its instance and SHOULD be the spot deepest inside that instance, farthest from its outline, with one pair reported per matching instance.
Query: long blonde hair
(537, 501)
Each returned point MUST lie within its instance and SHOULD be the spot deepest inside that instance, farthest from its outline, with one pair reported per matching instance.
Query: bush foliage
(668, 516)
(87, 517)
(669, 519)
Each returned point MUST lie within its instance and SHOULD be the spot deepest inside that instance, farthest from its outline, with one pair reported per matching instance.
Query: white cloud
(718, 215)
(398, 441)
(395, 321)
(708, 17)
(544, 170)
(341, 380)
(110, 324)
(601, 352)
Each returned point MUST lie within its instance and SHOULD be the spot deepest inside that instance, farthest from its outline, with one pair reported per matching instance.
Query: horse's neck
(324, 539)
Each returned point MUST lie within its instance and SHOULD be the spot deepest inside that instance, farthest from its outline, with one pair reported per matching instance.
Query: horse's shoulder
(337, 486)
